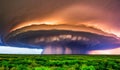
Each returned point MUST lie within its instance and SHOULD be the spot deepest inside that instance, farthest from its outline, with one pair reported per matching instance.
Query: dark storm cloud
(20, 10)
(72, 39)
(17, 11)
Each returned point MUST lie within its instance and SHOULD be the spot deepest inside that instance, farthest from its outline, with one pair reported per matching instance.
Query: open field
(59, 62)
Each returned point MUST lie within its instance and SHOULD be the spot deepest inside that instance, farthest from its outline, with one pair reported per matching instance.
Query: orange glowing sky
(109, 51)
(78, 14)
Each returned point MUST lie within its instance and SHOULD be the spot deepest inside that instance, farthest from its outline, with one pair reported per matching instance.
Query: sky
(17, 50)
(101, 15)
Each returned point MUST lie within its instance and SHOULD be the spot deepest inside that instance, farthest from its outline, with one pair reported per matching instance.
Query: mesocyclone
(79, 24)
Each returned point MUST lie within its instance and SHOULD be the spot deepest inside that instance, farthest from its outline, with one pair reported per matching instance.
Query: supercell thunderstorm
(56, 41)
(64, 27)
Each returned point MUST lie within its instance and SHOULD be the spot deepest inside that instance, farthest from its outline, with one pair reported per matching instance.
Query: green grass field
(59, 62)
